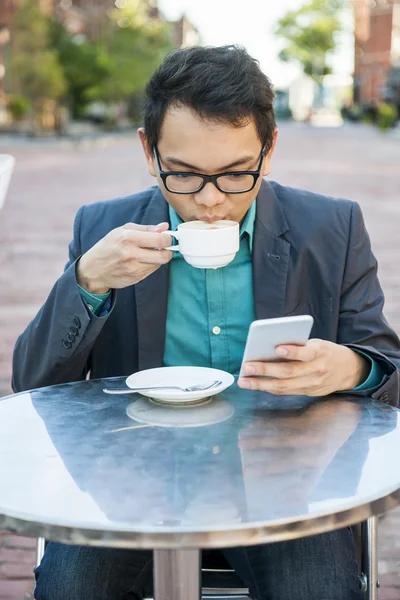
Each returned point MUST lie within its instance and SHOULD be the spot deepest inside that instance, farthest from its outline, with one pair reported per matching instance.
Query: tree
(48, 63)
(86, 66)
(35, 69)
(310, 36)
(116, 66)
(136, 44)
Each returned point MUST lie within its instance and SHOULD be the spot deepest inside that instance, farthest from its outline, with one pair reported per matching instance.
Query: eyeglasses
(231, 182)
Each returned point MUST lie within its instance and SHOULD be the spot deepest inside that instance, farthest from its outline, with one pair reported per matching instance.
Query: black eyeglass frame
(209, 178)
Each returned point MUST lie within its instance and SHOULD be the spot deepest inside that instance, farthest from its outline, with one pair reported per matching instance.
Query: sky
(251, 25)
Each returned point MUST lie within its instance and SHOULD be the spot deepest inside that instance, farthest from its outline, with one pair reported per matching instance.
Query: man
(123, 305)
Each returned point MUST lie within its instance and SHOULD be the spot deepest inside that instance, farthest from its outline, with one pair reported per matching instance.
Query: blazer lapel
(152, 297)
(270, 255)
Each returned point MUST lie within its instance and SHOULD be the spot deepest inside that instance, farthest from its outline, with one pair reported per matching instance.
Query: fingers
(153, 257)
(279, 370)
(309, 371)
(306, 353)
(147, 236)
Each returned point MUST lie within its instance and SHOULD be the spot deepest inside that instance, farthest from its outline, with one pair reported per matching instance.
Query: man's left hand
(317, 369)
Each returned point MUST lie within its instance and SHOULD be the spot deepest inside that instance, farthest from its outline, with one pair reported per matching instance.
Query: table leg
(177, 575)
(370, 556)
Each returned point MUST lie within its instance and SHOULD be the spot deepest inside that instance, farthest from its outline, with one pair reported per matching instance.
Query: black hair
(221, 83)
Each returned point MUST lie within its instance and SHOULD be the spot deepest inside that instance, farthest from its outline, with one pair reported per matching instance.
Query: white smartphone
(266, 334)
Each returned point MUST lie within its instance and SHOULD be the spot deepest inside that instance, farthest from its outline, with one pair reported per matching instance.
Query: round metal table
(83, 467)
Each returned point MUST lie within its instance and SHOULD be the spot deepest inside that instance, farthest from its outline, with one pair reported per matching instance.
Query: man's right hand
(124, 257)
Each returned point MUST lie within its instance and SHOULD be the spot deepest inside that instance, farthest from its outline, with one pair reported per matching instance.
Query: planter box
(7, 163)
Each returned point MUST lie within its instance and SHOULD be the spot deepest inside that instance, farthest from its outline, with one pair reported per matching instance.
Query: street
(52, 180)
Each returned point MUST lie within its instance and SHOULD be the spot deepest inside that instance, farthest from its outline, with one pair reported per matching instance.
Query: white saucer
(182, 376)
(154, 414)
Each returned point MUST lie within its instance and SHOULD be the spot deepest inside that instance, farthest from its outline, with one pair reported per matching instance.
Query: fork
(200, 387)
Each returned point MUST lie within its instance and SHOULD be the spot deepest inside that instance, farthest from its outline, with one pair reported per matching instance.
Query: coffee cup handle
(174, 234)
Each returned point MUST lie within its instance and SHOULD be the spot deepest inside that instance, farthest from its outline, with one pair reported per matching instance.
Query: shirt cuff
(95, 302)
(375, 375)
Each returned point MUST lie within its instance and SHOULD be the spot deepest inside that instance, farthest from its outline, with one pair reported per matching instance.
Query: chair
(221, 583)
(7, 163)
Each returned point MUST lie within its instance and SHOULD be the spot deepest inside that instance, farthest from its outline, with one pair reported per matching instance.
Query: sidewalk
(51, 181)
(17, 557)
(11, 142)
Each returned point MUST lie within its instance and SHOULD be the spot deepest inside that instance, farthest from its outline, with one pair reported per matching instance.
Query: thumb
(162, 227)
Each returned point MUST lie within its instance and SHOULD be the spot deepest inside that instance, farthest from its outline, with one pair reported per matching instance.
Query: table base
(177, 575)
(370, 557)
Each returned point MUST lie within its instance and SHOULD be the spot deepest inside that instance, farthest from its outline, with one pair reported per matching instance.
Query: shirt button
(90, 307)
(216, 330)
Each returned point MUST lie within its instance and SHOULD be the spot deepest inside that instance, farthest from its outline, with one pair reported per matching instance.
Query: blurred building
(7, 8)
(301, 95)
(83, 17)
(184, 33)
(89, 17)
(377, 47)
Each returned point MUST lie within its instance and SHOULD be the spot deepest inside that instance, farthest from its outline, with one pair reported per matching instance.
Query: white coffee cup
(207, 245)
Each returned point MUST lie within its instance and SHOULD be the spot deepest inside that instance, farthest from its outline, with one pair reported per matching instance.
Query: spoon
(192, 388)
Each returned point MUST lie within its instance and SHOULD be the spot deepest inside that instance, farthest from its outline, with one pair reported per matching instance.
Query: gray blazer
(311, 254)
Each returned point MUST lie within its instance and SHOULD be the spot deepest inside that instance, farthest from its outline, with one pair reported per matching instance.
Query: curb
(81, 141)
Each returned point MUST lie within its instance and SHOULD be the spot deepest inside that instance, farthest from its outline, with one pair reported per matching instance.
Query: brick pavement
(51, 181)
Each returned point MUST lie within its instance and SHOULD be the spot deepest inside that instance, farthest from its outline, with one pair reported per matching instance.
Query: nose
(209, 196)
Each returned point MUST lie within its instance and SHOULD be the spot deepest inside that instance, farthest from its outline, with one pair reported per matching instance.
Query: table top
(80, 466)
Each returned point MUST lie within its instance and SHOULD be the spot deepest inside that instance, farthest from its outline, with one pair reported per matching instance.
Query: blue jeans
(321, 567)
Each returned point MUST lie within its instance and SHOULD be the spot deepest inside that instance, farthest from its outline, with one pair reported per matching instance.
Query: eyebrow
(236, 163)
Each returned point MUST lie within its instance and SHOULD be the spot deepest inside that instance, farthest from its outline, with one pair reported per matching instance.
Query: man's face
(188, 143)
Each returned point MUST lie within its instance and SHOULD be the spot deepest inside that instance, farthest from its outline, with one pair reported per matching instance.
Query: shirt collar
(247, 225)
(174, 218)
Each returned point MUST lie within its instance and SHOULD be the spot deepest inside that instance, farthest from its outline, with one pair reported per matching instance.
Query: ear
(147, 152)
(267, 163)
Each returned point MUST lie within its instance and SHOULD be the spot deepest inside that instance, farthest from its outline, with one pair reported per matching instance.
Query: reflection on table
(113, 464)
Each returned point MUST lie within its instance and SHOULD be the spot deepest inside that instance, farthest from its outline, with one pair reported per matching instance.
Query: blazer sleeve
(56, 345)
(362, 324)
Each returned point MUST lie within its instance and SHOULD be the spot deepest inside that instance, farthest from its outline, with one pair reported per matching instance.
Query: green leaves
(86, 65)
(34, 64)
(309, 34)
(50, 63)
(134, 53)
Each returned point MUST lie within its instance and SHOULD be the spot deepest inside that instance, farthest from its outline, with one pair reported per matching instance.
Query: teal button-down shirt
(209, 311)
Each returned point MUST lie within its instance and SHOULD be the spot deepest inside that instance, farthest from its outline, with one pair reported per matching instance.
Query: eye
(183, 176)
(236, 176)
